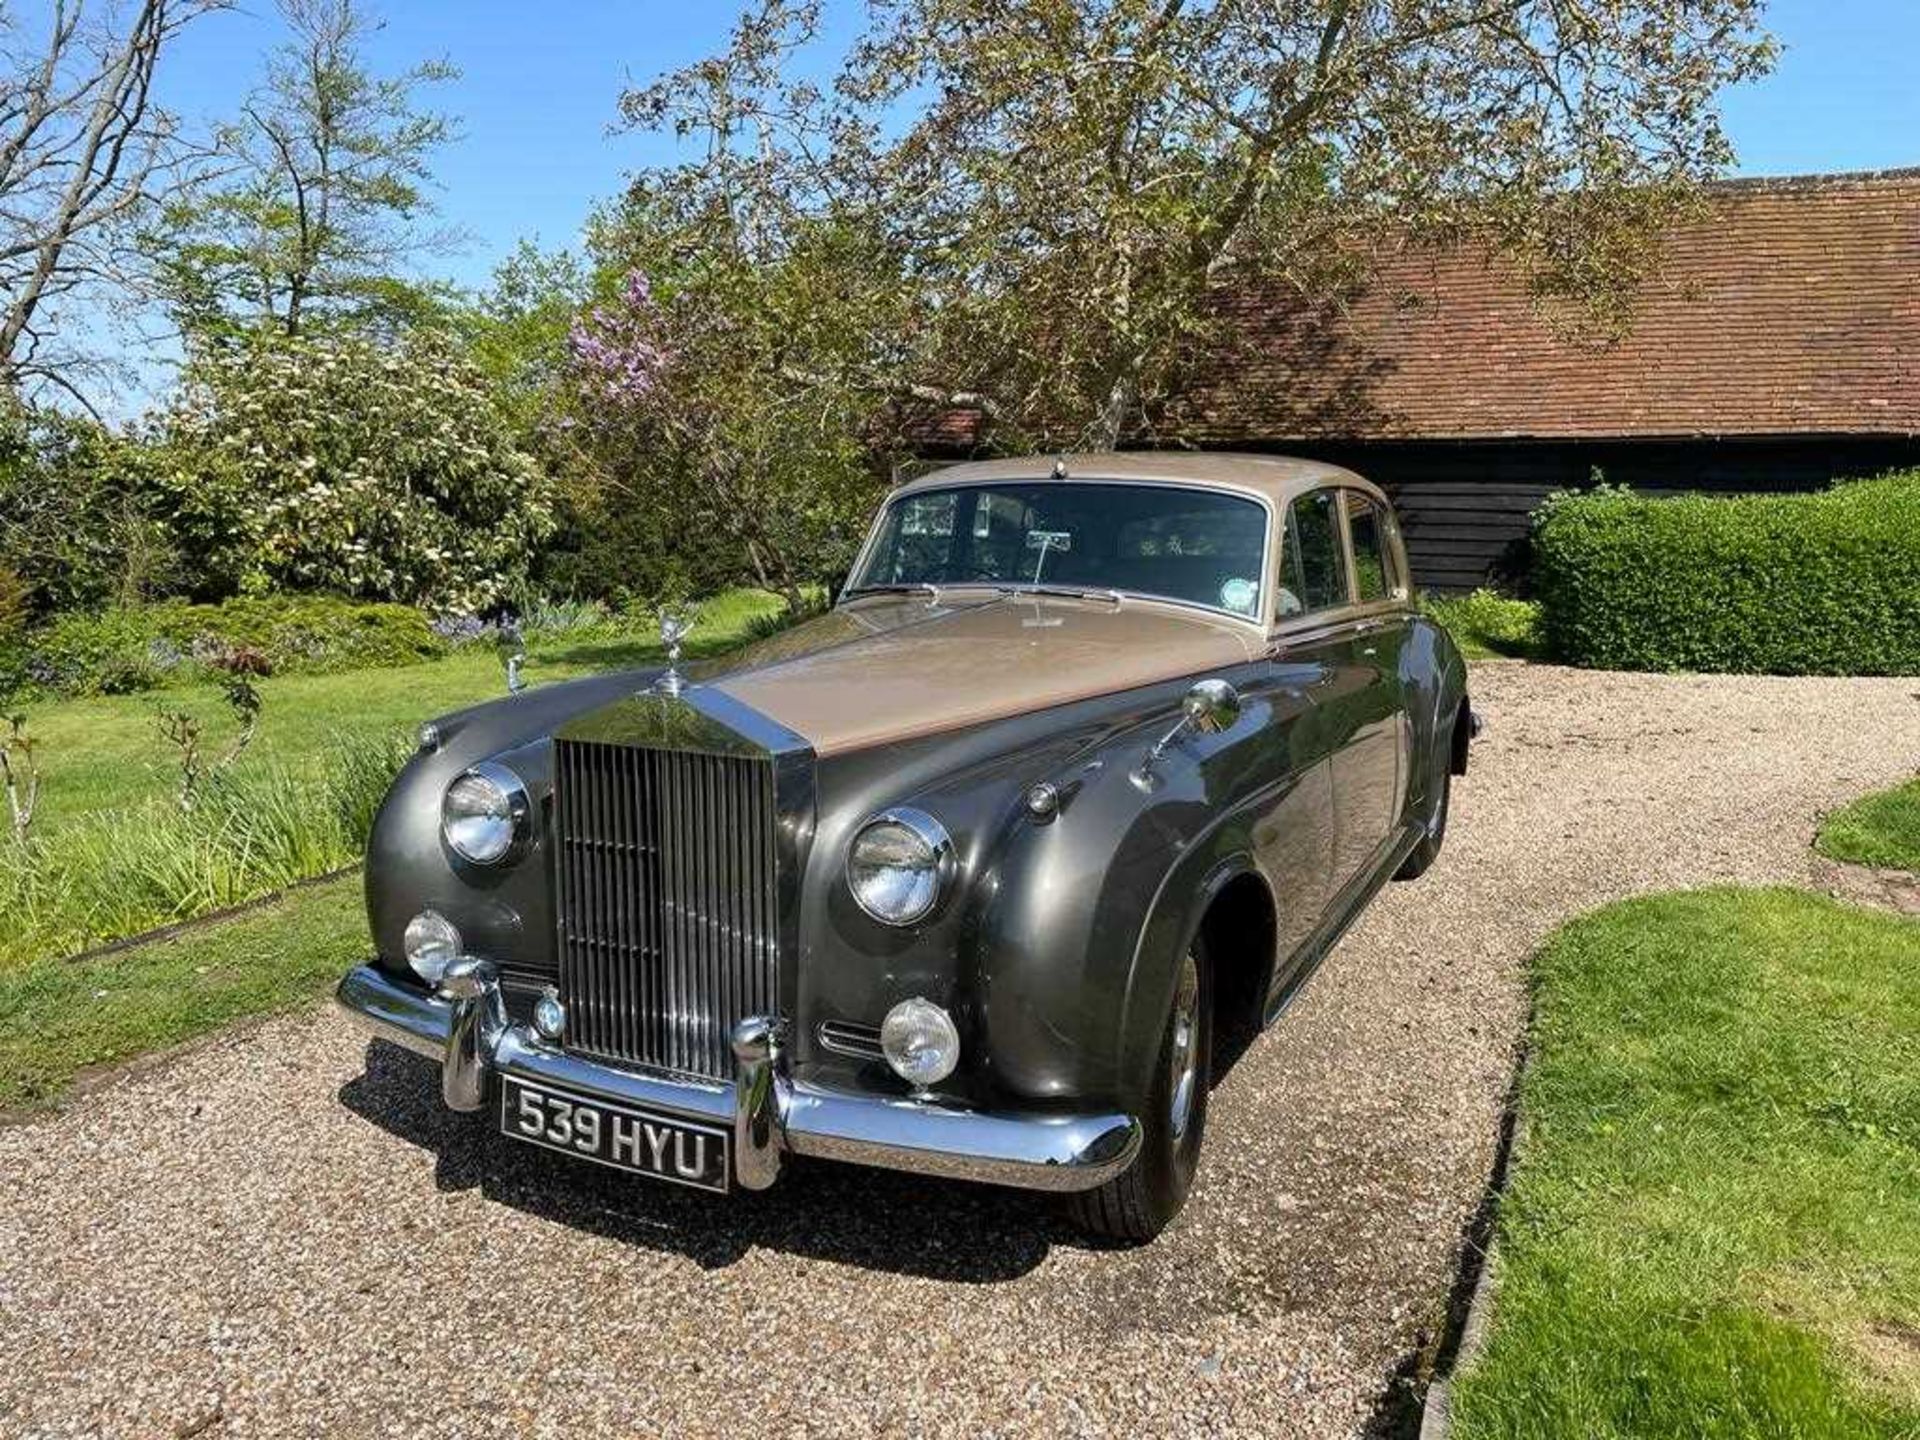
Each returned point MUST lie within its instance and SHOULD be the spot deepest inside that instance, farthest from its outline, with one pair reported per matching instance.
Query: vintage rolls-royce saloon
(1092, 761)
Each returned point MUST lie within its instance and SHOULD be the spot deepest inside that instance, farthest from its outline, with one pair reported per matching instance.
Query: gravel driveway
(283, 1233)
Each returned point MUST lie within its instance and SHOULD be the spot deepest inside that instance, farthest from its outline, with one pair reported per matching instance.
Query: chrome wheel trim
(1182, 1053)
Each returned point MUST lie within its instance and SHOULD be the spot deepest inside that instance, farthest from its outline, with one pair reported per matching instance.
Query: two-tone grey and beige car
(1092, 762)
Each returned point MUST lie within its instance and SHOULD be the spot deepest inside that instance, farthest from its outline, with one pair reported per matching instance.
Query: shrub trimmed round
(1808, 584)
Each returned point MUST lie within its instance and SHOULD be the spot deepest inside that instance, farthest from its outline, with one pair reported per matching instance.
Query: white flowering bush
(380, 471)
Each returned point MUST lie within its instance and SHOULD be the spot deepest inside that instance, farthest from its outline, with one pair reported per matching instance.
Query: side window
(1313, 573)
(1373, 577)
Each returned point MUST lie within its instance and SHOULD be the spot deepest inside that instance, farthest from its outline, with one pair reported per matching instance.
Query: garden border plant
(157, 838)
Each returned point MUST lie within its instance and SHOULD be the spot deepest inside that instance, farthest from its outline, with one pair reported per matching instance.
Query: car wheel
(1138, 1205)
(1428, 850)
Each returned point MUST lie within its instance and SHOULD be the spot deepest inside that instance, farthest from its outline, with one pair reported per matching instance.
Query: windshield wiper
(907, 587)
(1078, 592)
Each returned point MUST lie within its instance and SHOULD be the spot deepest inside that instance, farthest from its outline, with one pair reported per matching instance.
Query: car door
(1371, 771)
(1322, 624)
(1297, 839)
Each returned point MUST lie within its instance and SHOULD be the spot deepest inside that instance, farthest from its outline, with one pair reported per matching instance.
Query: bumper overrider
(463, 1025)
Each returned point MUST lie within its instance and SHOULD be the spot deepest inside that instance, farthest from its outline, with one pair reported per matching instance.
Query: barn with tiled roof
(1778, 348)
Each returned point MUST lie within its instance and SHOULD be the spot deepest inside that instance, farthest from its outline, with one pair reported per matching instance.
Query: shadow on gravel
(879, 1219)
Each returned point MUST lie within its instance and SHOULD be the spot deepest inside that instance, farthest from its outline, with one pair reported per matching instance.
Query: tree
(323, 200)
(744, 362)
(712, 413)
(78, 525)
(516, 331)
(84, 152)
(1073, 184)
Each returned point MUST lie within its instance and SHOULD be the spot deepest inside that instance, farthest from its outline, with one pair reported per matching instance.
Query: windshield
(1177, 542)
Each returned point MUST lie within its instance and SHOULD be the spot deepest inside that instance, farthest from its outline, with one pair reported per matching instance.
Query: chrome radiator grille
(666, 902)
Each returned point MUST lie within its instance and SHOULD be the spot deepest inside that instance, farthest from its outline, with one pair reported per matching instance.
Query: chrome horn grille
(667, 901)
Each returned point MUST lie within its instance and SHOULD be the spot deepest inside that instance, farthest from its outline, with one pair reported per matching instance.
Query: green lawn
(1882, 829)
(1713, 1223)
(105, 753)
(57, 1019)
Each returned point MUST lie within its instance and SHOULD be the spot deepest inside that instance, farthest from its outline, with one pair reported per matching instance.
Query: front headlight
(897, 865)
(484, 814)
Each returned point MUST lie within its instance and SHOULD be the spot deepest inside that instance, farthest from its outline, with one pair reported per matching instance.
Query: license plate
(663, 1147)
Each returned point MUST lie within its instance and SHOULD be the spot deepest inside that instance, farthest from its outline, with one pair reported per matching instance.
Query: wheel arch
(1230, 900)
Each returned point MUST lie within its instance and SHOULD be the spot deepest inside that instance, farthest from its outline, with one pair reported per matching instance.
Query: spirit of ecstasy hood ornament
(674, 627)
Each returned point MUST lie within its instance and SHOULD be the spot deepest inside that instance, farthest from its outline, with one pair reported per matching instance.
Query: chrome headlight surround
(486, 815)
(898, 865)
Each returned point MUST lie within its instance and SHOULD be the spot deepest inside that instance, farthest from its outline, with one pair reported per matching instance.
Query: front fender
(505, 913)
(1082, 918)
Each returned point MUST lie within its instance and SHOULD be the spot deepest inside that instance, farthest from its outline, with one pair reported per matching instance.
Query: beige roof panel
(1277, 478)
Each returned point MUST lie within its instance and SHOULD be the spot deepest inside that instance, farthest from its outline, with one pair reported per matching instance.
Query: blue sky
(539, 83)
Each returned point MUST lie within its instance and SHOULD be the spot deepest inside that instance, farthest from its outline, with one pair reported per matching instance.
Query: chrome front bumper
(464, 1027)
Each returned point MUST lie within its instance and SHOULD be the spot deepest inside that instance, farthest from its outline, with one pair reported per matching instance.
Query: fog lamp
(431, 942)
(920, 1042)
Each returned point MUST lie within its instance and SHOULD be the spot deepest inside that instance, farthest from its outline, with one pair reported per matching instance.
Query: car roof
(1275, 478)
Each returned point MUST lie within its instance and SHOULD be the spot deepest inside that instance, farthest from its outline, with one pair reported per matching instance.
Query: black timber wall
(1464, 504)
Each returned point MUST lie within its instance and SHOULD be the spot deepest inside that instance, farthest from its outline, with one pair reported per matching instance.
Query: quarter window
(1373, 577)
(1313, 572)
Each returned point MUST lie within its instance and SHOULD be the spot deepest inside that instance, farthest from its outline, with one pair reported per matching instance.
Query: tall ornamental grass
(253, 830)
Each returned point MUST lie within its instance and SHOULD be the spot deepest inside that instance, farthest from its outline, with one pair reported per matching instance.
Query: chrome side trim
(770, 1116)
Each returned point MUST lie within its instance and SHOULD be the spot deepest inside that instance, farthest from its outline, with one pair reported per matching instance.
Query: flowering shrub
(722, 425)
(617, 348)
(378, 471)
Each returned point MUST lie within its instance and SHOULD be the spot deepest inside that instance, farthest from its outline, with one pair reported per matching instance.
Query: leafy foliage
(80, 516)
(1822, 584)
(379, 471)
(1487, 623)
(717, 404)
(120, 651)
(1065, 187)
(251, 830)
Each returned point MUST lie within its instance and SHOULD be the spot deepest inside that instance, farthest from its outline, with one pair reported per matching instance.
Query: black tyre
(1139, 1204)
(1428, 850)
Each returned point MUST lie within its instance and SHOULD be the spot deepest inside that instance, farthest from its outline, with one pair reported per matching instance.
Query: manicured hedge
(1817, 584)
